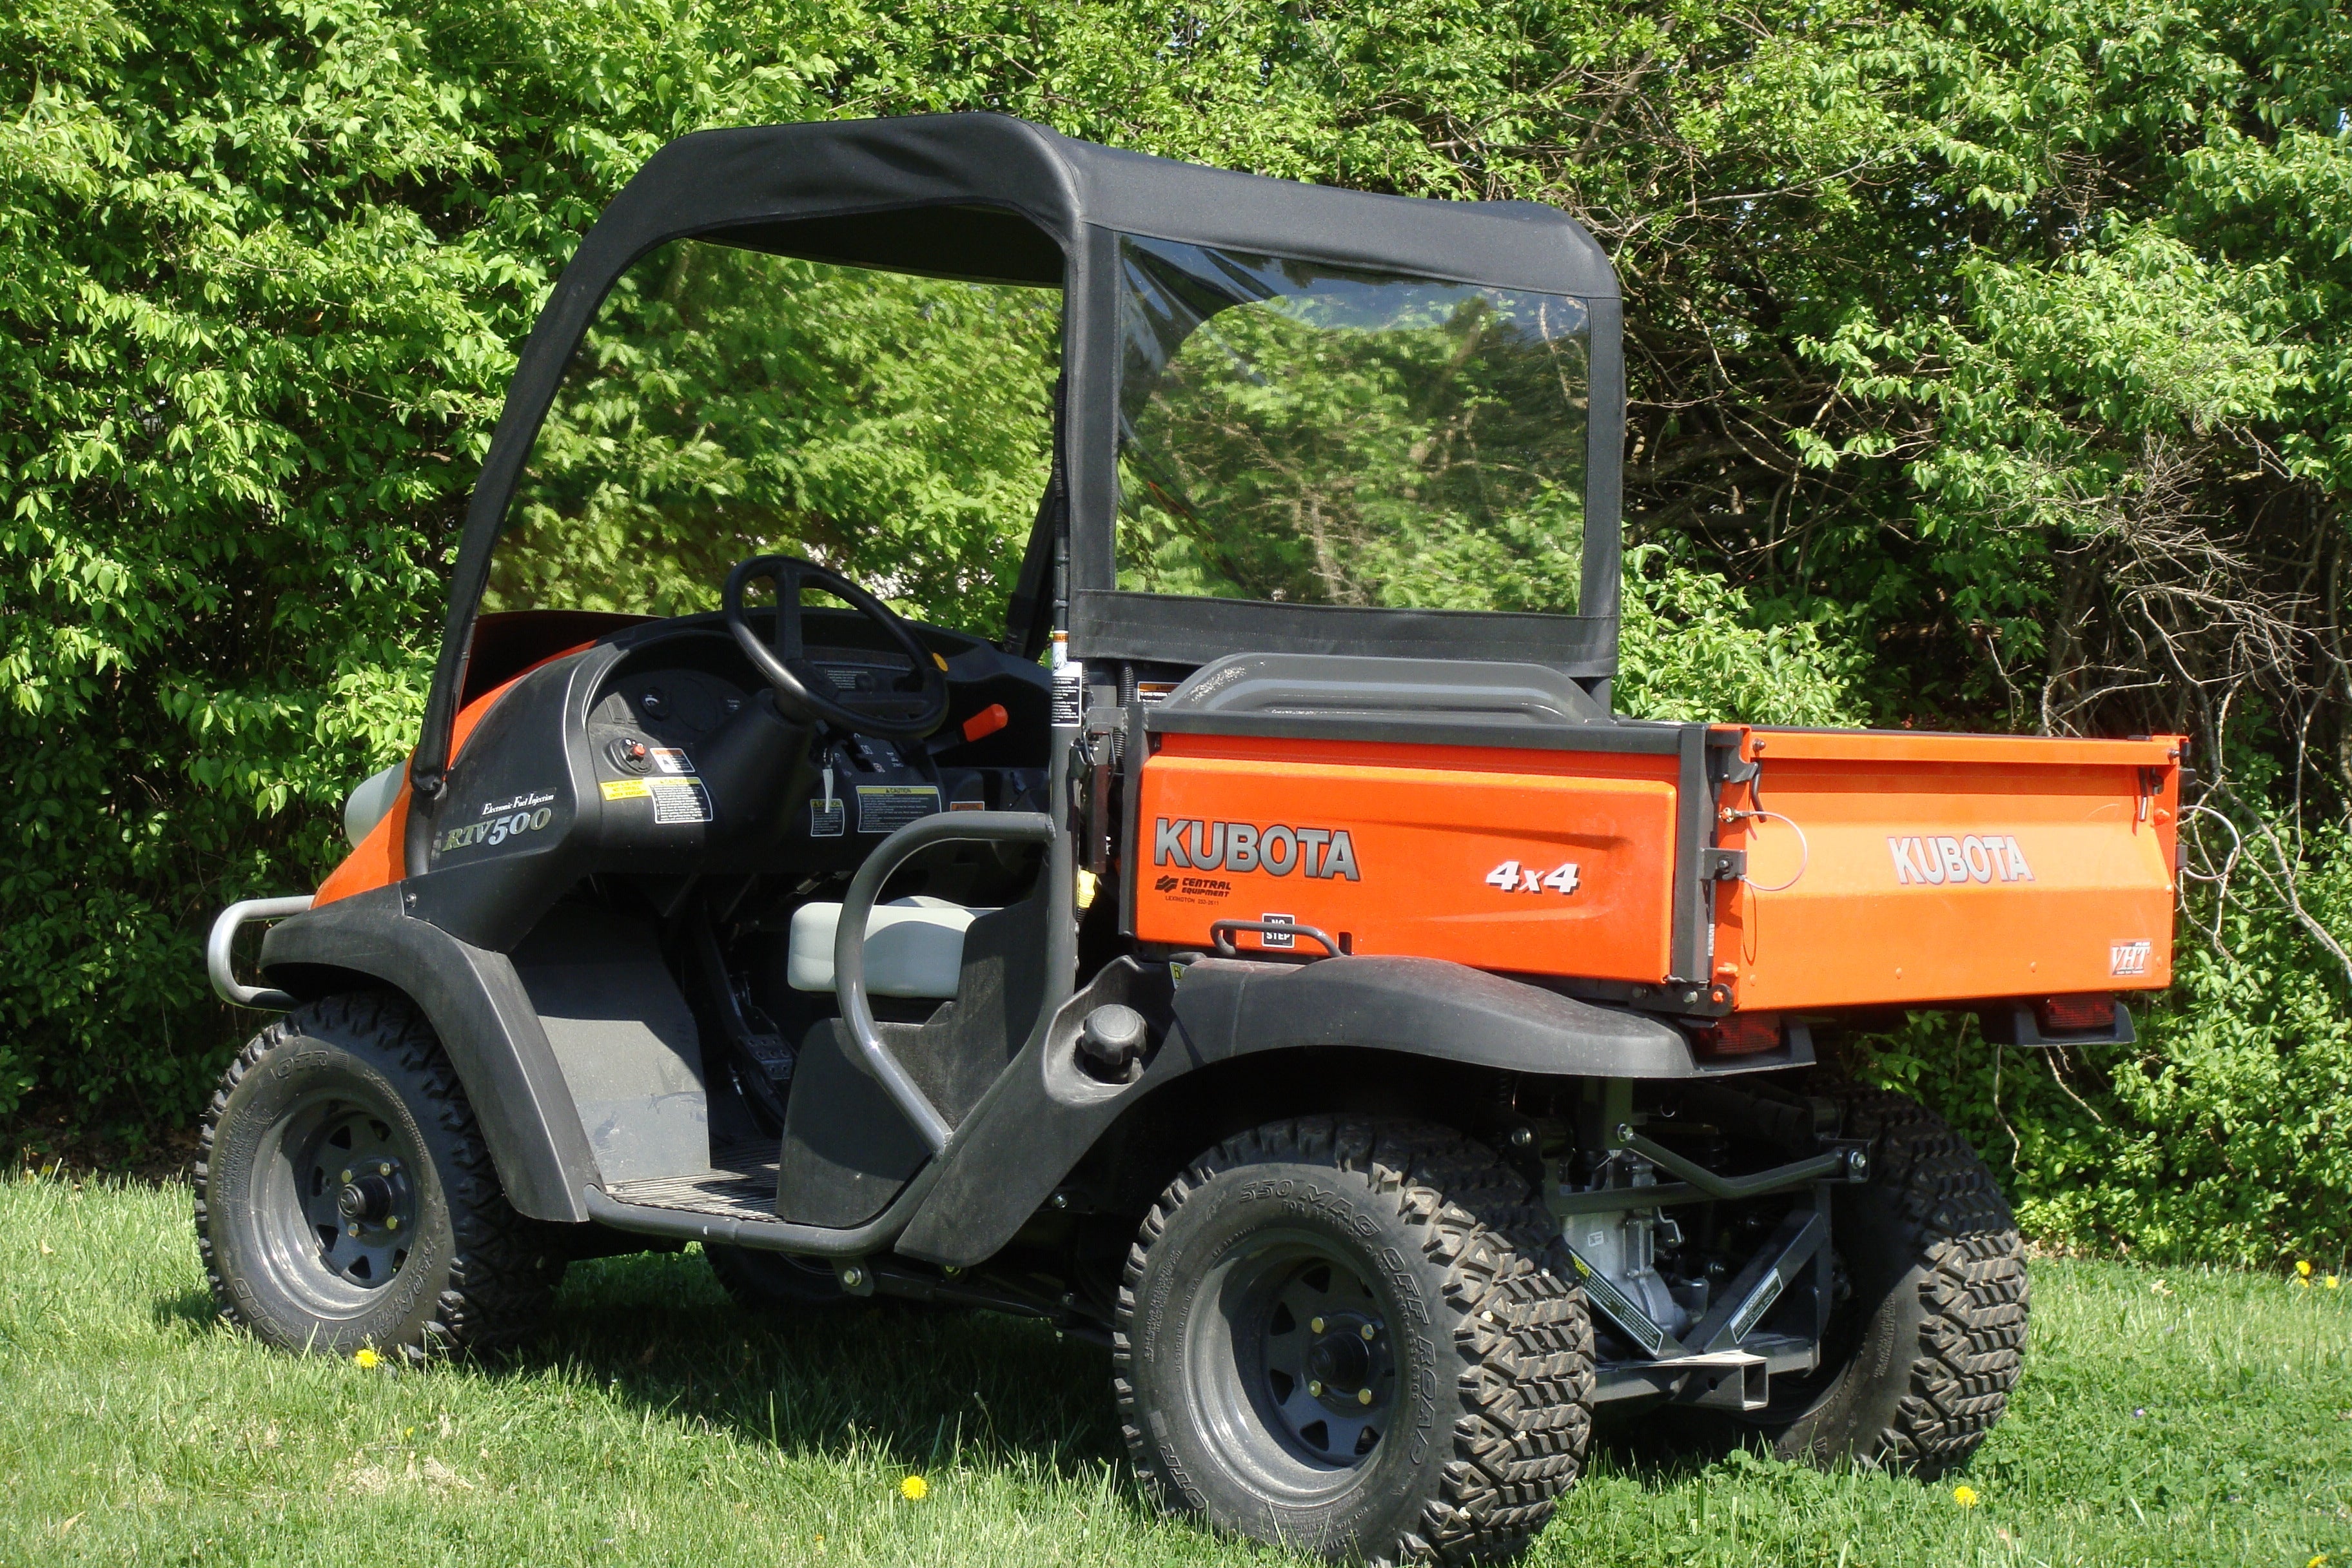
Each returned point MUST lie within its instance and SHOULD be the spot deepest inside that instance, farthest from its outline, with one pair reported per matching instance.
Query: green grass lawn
(2180, 1417)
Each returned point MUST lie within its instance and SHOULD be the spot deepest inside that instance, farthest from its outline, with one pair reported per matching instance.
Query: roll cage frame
(988, 198)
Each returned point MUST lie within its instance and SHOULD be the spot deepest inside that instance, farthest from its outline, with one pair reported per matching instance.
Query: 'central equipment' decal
(1276, 850)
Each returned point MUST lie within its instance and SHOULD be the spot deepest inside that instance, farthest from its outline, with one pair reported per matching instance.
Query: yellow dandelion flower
(1966, 1496)
(2331, 1282)
(914, 1489)
(2302, 1267)
(364, 1357)
(2318, 1561)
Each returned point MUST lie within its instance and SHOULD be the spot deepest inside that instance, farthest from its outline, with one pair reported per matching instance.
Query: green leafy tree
(1990, 363)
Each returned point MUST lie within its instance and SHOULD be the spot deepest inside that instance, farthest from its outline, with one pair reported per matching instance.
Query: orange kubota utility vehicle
(1267, 954)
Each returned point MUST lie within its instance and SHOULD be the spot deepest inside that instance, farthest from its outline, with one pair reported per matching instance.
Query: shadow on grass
(921, 1385)
(909, 1386)
(1662, 1448)
(189, 1309)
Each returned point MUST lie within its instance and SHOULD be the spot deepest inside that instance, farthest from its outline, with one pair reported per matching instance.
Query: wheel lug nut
(354, 1230)
(1368, 1331)
(1363, 1397)
(1313, 1325)
(1314, 1388)
(384, 1168)
(347, 1178)
(392, 1222)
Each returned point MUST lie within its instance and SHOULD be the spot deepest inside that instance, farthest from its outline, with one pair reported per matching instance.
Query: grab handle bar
(849, 941)
(1221, 935)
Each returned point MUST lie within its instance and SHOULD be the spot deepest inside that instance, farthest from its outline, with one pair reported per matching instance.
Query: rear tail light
(2076, 1015)
(1741, 1034)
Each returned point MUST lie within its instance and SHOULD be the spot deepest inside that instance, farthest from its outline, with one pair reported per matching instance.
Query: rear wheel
(346, 1198)
(1920, 1359)
(1346, 1336)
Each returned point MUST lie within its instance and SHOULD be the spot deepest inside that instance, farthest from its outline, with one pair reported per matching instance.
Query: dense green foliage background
(1990, 363)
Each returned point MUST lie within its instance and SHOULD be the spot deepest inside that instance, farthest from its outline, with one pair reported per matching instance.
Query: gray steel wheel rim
(1252, 1355)
(334, 1252)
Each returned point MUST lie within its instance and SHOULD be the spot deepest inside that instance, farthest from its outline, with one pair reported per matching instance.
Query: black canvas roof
(855, 172)
(991, 199)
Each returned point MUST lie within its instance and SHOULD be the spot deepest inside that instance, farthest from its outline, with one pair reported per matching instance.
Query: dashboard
(655, 750)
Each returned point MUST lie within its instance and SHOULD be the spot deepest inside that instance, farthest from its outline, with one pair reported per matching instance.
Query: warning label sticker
(886, 808)
(826, 817)
(670, 760)
(680, 800)
(675, 800)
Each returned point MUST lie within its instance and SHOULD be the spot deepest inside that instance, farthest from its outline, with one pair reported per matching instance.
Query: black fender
(1421, 1006)
(476, 1005)
(1043, 1115)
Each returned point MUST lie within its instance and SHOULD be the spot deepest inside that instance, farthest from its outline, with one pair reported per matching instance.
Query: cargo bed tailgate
(1892, 868)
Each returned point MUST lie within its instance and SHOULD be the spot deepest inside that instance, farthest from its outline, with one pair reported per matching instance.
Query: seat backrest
(914, 947)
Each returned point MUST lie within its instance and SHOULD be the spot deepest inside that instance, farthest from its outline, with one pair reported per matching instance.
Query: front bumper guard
(224, 936)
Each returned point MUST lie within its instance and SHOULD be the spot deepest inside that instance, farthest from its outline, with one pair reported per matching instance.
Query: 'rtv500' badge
(524, 813)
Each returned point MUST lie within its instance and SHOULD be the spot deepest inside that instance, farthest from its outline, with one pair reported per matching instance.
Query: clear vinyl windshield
(1309, 434)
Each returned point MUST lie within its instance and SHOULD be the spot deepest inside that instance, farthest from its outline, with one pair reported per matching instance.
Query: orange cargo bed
(1885, 868)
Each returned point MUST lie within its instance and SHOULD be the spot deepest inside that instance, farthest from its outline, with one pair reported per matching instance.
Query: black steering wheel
(803, 692)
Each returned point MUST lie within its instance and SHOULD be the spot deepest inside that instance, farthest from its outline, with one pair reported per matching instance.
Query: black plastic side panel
(519, 822)
(478, 1005)
(1033, 1126)
(624, 1038)
(1040, 1119)
(967, 1046)
(848, 1151)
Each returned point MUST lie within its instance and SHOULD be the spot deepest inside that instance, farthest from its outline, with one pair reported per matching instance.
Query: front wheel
(1920, 1359)
(346, 1200)
(1347, 1336)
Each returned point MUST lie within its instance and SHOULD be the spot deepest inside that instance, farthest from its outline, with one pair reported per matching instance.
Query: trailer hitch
(1750, 1294)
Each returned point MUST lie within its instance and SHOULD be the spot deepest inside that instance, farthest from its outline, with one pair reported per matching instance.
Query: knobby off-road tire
(1921, 1359)
(1268, 1266)
(353, 1093)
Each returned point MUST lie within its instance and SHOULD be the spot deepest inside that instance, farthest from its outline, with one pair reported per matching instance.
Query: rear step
(741, 1185)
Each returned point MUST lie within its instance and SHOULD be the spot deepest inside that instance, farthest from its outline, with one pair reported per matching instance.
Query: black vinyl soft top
(991, 198)
(961, 165)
